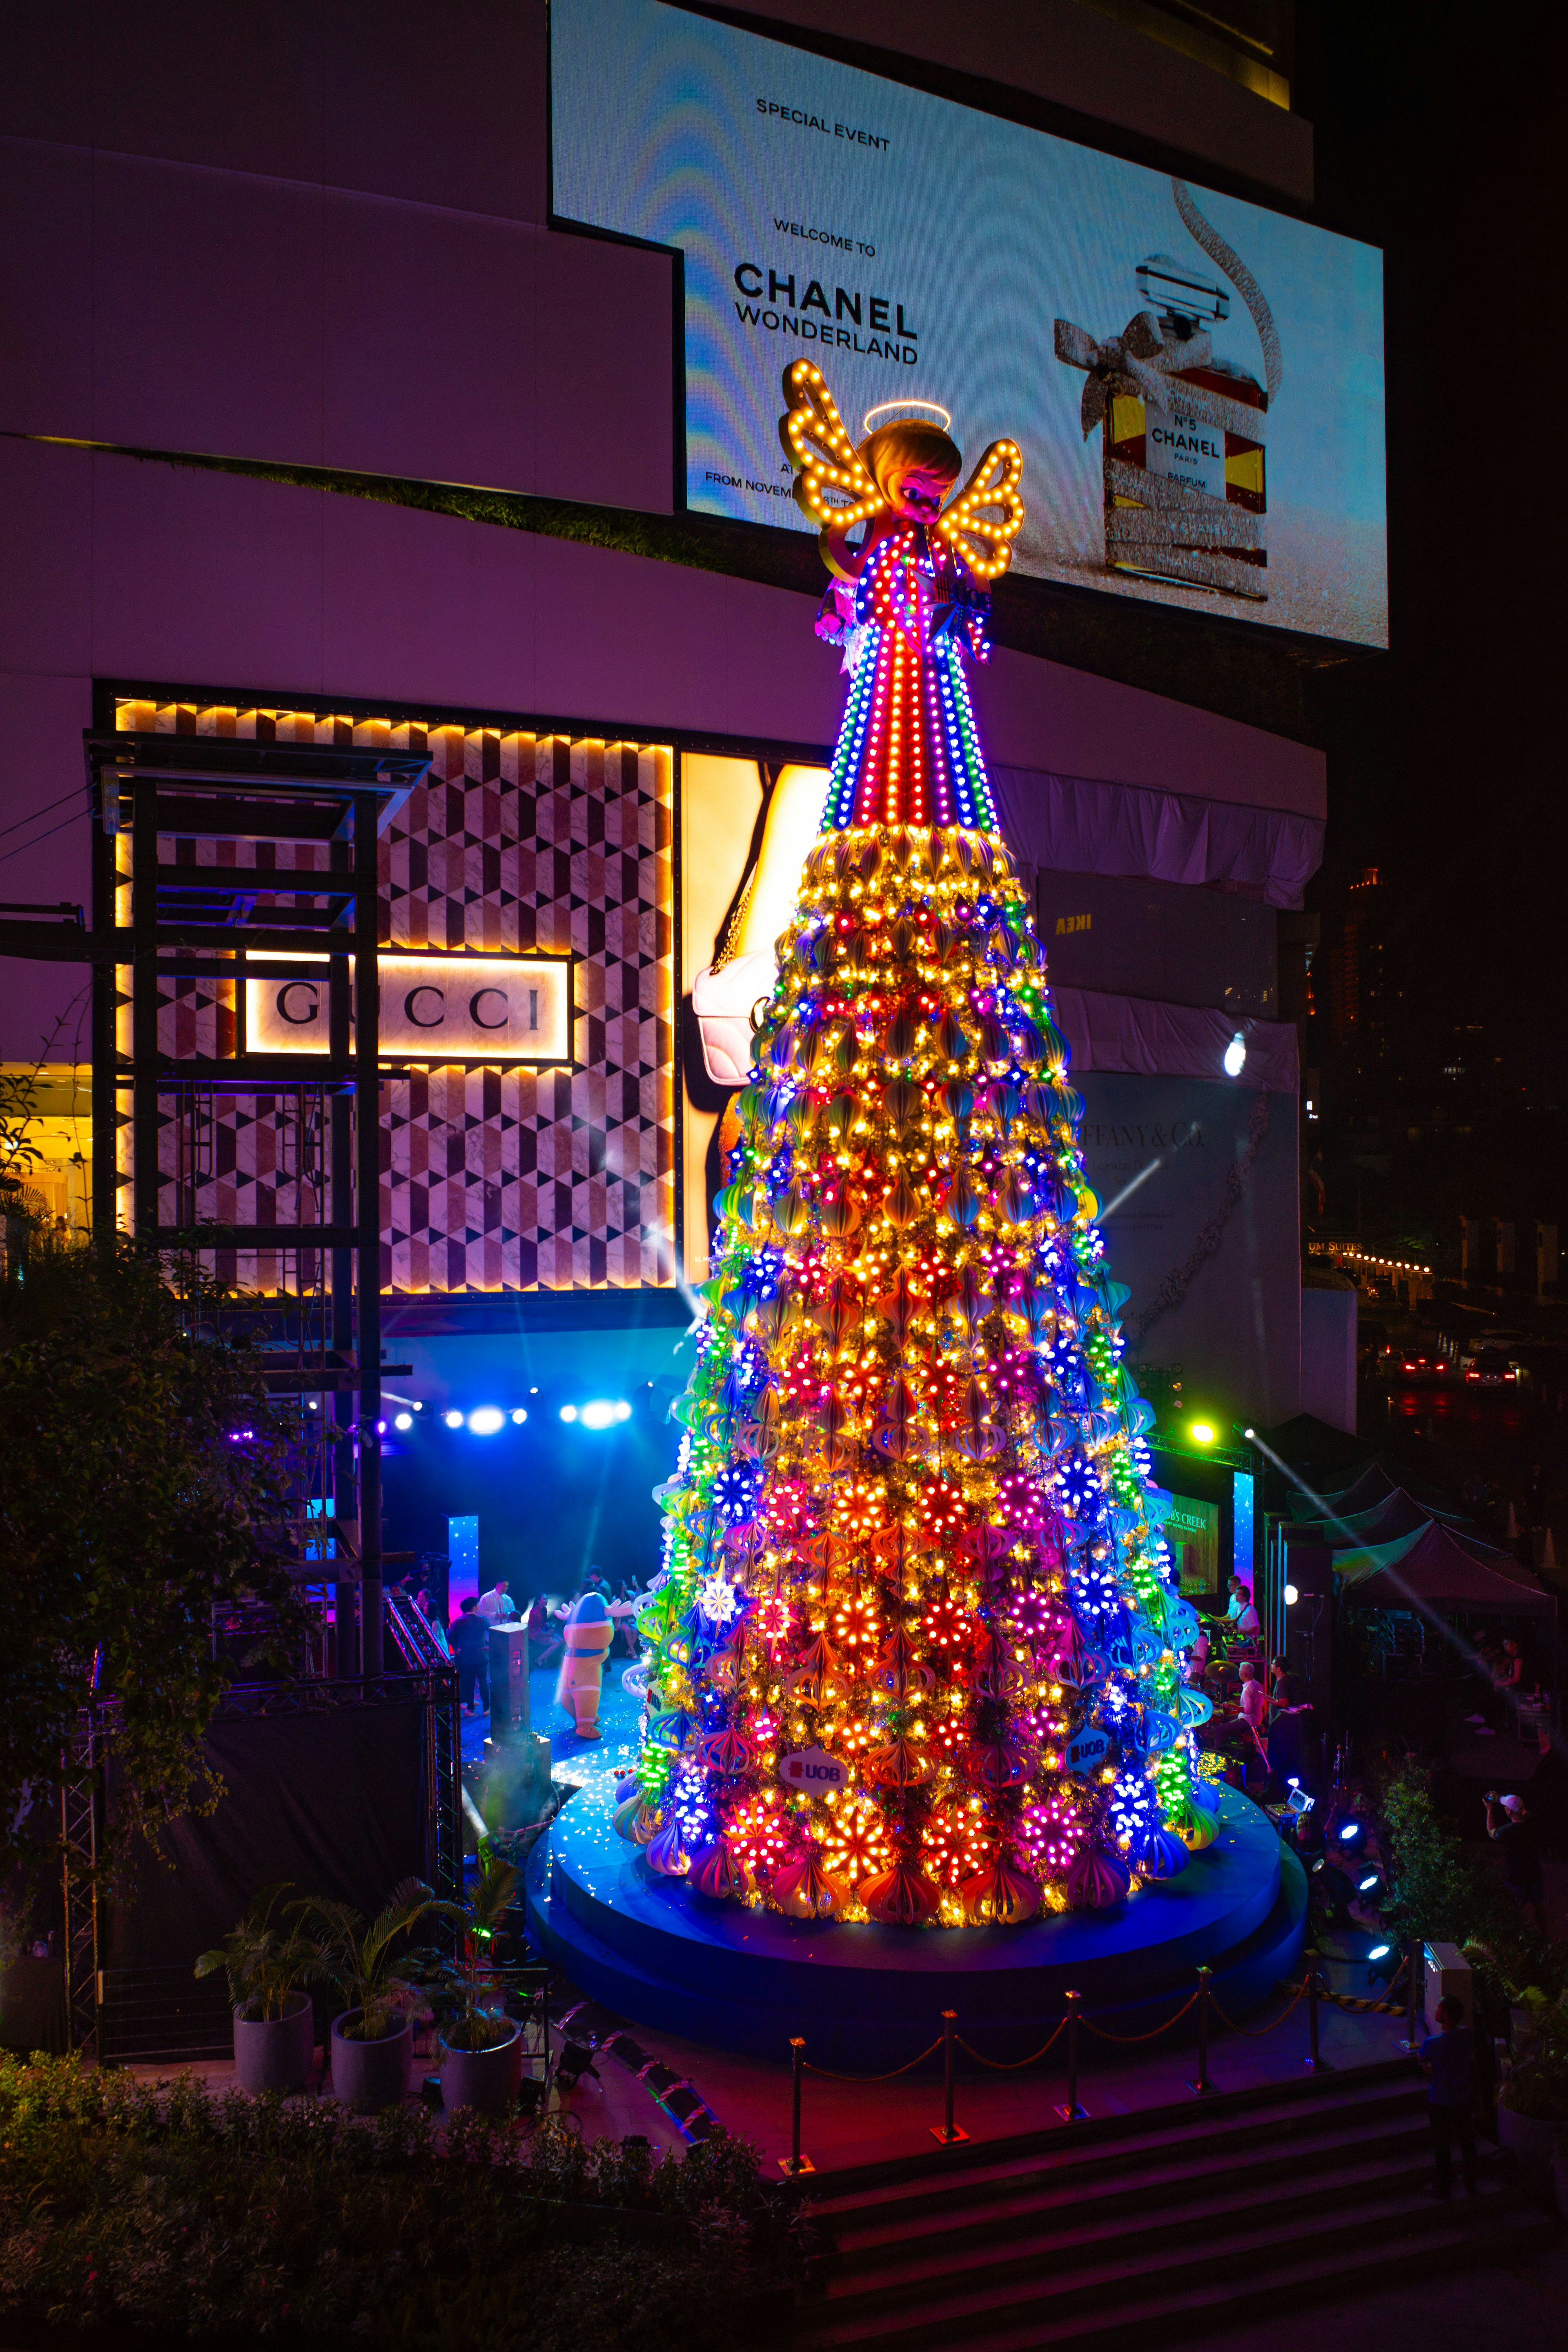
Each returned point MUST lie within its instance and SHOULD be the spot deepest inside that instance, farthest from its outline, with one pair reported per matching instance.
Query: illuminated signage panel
(1197, 382)
(434, 1008)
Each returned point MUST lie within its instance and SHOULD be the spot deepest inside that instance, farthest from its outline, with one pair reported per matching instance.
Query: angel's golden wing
(987, 546)
(831, 484)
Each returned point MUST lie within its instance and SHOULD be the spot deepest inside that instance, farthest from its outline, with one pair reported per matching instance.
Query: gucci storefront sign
(434, 1008)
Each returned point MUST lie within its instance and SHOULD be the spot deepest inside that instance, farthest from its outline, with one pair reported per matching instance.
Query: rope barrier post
(1315, 2064)
(795, 2164)
(1412, 2041)
(948, 2133)
(1203, 2082)
(1071, 2113)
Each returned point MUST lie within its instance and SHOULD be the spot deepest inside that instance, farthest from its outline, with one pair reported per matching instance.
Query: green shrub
(1437, 1890)
(198, 2216)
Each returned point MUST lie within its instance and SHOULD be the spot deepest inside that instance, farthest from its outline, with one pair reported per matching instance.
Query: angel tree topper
(911, 1530)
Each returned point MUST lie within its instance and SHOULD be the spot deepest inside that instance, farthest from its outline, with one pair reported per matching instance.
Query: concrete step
(1085, 2151)
(1158, 2212)
(1172, 2177)
(1126, 2325)
(1075, 2235)
(1061, 2288)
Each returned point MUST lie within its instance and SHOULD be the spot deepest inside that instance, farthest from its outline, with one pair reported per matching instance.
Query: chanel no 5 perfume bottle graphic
(1183, 427)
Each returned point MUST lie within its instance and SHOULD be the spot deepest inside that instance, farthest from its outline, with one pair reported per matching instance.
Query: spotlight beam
(1128, 1190)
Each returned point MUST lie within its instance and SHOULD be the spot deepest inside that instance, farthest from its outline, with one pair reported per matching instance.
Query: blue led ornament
(1080, 1488)
(735, 1491)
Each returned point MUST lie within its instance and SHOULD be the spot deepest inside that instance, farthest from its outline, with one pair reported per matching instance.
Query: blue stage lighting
(568, 1413)
(1347, 1833)
(452, 1420)
(1380, 1952)
(1364, 1885)
(518, 1416)
(604, 1413)
(485, 1420)
(404, 1421)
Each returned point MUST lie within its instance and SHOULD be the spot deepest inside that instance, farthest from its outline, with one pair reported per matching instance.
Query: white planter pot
(485, 2079)
(370, 2076)
(276, 2054)
(1530, 2135)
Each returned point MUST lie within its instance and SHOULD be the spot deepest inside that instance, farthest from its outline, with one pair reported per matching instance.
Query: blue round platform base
(866, 1996)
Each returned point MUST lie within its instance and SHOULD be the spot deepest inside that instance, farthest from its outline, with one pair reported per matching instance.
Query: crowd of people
(1257, 1709)
(466, 1638)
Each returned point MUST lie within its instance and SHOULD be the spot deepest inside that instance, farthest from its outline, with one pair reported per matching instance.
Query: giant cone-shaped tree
(915, 1653)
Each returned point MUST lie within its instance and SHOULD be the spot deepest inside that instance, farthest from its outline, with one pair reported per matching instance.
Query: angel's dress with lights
(909, 750)
(915, 1654)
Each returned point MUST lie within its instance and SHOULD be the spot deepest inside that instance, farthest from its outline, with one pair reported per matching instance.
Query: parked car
(1491, 1369)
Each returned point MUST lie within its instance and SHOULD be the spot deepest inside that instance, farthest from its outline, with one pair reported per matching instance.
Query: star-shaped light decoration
(719, 1600)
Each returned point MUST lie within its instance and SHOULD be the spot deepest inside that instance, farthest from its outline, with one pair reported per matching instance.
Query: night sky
(1439, 136)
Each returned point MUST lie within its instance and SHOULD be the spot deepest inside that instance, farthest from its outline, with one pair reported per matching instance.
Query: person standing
(1510, 1826)
(469, 1636)
(427, 1607)
(1447, 2059)
(496, 1605)
(1239, 1609)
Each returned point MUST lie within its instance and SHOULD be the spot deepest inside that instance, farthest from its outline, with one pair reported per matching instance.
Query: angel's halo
(888, 409)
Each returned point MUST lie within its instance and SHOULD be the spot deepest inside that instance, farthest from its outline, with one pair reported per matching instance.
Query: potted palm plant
(268, 1963)
(480, 2045)
(368, 1963)
(1532, 2098)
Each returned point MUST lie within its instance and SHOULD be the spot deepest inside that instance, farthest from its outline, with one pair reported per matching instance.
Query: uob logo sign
(433, 1009)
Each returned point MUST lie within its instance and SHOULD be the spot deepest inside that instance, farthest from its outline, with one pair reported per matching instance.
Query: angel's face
(916, 493)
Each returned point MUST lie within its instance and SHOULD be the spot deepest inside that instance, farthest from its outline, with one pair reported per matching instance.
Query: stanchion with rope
(795, 2164)
(1412, 2041)
(1070, 2111)
(1261, 2032)
(1360, 2007)
(1015, 2066)
(947, 2133)
(1203, 2085)
(1131, 2041)
(1315, 2062)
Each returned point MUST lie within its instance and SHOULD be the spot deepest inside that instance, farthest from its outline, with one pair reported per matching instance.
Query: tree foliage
(143, 1483)
(1437, 1891)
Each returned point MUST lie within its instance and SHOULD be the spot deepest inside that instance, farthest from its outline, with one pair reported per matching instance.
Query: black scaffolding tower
(171, 913)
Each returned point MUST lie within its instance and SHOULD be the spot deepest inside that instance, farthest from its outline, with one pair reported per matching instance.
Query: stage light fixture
(402, 1421)
(1380, 1952)
(485, 1420)
(576, 2059)
(604, 1413)
(1201, 1432)
(518, 1416)
(1291, 1596)
(568, 1413)
(1365, 1885)
(1236, 1056)
(452, 1420)
(1348, 1832)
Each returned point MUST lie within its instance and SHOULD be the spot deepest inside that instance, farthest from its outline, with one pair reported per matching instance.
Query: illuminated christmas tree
(915, 1653)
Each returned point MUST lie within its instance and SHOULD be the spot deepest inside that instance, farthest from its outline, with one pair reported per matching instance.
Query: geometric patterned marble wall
(494, 1177)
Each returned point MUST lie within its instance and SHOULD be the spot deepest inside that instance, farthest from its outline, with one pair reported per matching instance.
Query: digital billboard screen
(1197, 382)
